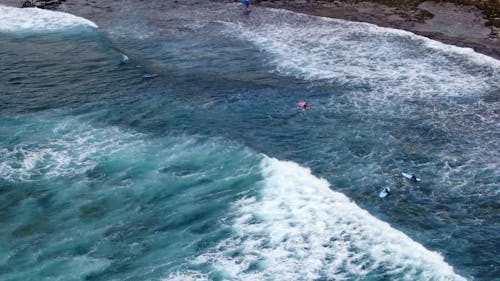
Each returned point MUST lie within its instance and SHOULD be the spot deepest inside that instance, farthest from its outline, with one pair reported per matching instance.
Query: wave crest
(299, 229)
(17, 20)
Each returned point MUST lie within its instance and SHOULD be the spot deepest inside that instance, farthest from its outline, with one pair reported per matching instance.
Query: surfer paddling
(387, 190)
(413, 178)
(303, 105)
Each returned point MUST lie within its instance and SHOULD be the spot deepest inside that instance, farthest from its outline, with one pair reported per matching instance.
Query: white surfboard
(384, 193)
(409, 176)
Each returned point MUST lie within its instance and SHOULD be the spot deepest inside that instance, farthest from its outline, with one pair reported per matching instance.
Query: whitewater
(211, 172)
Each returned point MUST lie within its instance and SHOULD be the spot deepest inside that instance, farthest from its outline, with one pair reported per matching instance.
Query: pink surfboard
(303, 105)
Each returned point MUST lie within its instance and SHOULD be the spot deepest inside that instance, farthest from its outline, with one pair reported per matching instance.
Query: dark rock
(27, 4)
(44, 4)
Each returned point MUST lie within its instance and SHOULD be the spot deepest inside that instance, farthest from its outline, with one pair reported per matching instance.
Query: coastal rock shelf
(468, 24)
(50, 4)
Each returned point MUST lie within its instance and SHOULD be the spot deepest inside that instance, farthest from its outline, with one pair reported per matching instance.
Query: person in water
(387, 190)
(247, 5)
(413, 178)
(306, 106)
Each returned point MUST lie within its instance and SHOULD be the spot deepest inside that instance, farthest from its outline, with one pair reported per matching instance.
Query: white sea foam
(382, 61)
(187, 276)
(78, 267)
(14, 20)
(71, 149)
(447, 48)
(125, 58)
(299, 229)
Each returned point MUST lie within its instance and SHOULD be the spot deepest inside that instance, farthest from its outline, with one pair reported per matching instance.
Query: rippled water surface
(210, 171)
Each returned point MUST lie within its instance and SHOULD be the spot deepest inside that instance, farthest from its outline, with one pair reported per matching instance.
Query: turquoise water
(211, 172)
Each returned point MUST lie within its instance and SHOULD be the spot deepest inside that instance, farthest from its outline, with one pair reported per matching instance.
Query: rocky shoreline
(475, 25)
(44, 4)
(460, 25)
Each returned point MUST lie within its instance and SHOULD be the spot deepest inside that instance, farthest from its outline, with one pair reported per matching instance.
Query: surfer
(413, 178)
(247, 5)
(303, 105)
(384, 193)
(387, 190)
(410, 176)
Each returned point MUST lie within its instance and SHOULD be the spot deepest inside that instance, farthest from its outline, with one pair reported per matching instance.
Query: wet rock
(27, 4)
(44, 4)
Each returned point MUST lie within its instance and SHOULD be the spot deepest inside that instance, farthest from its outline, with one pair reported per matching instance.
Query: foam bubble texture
(386, 62)
(299, 229)
(15, 20)
(66, 149)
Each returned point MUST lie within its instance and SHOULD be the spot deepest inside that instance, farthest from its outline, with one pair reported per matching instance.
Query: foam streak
(17, 20)
(301, 230)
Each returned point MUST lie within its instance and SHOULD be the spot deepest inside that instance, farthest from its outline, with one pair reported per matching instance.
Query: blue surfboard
(384, 193)
(409, 176)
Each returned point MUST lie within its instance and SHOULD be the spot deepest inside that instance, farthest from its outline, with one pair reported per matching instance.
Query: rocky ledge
(465, 23)
(44, 4)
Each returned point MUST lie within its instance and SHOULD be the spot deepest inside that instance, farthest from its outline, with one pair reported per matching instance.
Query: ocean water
(211, 172)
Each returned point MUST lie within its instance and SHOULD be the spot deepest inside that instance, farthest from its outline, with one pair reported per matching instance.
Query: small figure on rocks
(246, 3)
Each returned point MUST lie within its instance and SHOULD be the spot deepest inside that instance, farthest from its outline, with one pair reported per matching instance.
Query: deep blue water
(211, 172)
